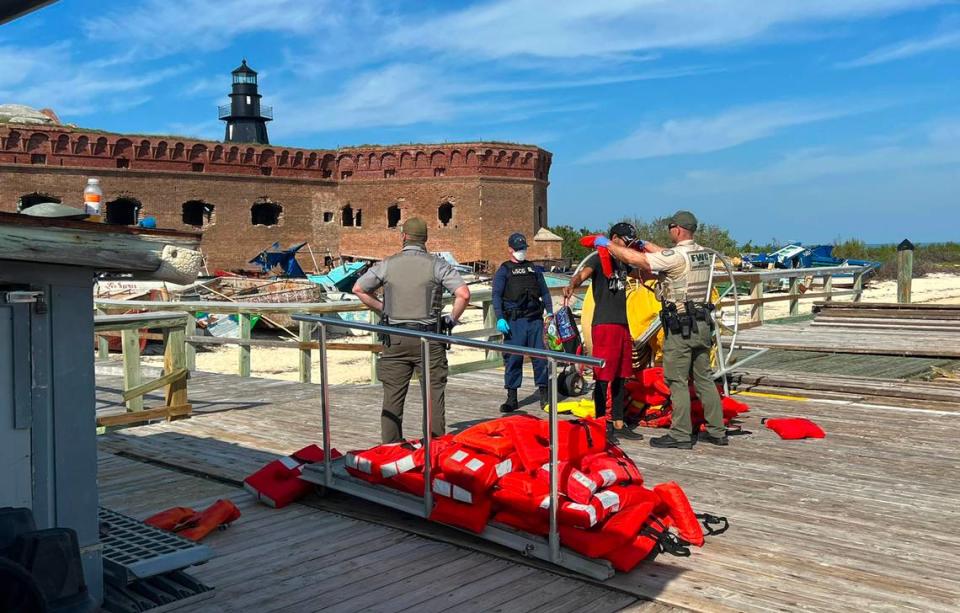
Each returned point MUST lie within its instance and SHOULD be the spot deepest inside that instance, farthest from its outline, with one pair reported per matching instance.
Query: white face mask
(520, 255)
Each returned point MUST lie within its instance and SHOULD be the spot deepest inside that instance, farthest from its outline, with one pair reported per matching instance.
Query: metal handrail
(434, 337)
(426, 339)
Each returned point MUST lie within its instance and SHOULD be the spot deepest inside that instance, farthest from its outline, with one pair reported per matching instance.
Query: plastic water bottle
(92, 196)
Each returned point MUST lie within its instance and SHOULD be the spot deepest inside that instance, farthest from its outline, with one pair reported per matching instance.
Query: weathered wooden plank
(243, 355)
(143, 415)
(130, 342)
(163, 381)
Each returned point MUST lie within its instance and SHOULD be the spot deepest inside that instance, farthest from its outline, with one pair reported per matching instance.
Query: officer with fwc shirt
(683, 275)
(520, 298)
(413, 281)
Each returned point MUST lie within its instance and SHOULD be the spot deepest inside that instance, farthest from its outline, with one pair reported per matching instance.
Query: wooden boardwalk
(857, 521)
(302, 559)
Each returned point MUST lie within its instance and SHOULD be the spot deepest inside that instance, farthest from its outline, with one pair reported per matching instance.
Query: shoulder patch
(667, 252)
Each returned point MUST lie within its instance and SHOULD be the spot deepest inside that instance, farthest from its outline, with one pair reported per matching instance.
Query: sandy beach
(354, 366)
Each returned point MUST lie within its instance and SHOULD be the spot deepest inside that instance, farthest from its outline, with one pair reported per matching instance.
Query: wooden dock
(859, 521)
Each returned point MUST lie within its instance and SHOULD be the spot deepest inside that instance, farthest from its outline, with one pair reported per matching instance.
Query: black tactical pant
(397, 364)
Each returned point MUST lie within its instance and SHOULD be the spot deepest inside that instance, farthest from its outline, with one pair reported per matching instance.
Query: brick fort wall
(245, 197)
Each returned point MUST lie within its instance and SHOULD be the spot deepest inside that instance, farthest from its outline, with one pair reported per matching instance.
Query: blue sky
(779, 119)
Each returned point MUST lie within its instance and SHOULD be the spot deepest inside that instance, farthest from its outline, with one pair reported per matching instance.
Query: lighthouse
(246, 119)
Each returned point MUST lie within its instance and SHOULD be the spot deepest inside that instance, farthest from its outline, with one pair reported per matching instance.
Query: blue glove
(601, 241)
(639, 244)
(503, 326)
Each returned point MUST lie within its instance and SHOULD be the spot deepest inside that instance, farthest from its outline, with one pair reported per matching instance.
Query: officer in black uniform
(520, 298)
(412, 281)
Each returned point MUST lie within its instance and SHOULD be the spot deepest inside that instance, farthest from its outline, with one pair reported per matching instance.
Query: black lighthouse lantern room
(246, 119)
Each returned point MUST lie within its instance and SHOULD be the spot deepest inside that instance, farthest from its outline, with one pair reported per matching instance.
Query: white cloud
(570, 29)
(727, 129)
(940, 148)
(163, 27)
(906, 49)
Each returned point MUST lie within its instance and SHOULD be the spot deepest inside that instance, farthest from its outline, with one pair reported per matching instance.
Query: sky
(812, 120)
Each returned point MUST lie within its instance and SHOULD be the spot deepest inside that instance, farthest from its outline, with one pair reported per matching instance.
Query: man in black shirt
(609, 330)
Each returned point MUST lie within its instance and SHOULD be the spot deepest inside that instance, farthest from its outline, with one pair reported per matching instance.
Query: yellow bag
(581, 408)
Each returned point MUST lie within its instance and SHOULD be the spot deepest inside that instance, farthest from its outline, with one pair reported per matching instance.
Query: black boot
(628, 433)
(544, 394)
(511, 404)
(720, 441)
(668, 442)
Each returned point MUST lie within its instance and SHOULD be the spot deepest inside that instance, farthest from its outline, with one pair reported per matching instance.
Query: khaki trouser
(684, 358)
(397, 364)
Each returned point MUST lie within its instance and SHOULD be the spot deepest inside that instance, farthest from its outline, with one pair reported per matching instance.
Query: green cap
(684, 219)
(416, 229)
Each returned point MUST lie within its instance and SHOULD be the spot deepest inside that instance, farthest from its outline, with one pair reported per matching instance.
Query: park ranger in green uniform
(683, 276)
(413, 281)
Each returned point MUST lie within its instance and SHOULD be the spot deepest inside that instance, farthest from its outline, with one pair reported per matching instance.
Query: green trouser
(683, 358)
(397, 364)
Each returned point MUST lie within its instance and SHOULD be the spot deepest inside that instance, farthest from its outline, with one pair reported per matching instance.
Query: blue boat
(341, 278)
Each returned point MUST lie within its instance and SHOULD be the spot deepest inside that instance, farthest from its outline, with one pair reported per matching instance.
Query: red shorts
(613, 344)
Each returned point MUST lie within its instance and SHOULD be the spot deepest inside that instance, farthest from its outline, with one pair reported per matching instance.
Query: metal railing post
(325, 404)
(425, 381)
(554, 477)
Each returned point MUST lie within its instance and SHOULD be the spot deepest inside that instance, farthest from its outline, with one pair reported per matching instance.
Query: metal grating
(133, 550)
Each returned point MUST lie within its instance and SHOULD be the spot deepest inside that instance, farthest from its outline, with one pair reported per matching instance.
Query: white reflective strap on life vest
(586, 508)
(448, 490)
(504, 467)
(459, 456)
(290, 463)
(609, 477)
(475, 464)
(358, 463)
(584, 480)
(545, 503)
(608, 500)
(402, 465)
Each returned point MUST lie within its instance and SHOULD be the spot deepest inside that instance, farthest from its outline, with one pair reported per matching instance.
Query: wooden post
(828, 288)
(904, 271)
(306, 330)
(103, 343)
(243, 366)
(858, 286)
(130, 341)
(175, 359)
(794, 296)
(190, 352)
(374, 356)
(756, 292)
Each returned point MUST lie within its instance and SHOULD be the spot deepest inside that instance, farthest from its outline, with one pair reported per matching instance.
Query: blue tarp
(341, 278)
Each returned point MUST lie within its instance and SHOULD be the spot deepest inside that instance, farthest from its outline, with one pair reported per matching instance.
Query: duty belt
(685, 323)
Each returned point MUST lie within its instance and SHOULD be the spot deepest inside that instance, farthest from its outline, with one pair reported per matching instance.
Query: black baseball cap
(517, 241)
(624, 230)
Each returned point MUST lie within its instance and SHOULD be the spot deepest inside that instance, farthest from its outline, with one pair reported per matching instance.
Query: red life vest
(649, 387)
(601, 505)
(443, 487)
(410, 482)
(599, 471)
(384, 461)
(652, 538)
(534, 524)
(680, 512)
(472, 470)
(171, 520)
(619, 529)
(221, 513)
(495, 437)
(521, 493)
(472, 517)
(793, 428)
(575, 439)
(278, 484)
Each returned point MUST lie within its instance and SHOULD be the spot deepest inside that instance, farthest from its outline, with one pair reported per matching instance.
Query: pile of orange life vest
(650, 402)
(498, 471)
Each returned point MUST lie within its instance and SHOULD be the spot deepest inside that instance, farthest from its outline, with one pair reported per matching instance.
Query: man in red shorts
(609, 331)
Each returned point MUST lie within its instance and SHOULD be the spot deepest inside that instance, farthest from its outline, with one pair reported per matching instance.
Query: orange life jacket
(472, 517)
(218, 515)
(472, 470)
(616, 531)
(496, 436)
(521, 493)
(649, 387)
(680, 512)
(384, 461)
(599, 471)
(171, 520)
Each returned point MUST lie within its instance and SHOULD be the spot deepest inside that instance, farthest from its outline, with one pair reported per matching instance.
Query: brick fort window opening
(327, 216)
(265, 213)
(393, 216)
(197, 213)
(123, 211)
(445, 213)
(350, 218)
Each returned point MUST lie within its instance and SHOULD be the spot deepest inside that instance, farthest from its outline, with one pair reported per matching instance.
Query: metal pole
(427, 426)
(325, 405)
(554, 439)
